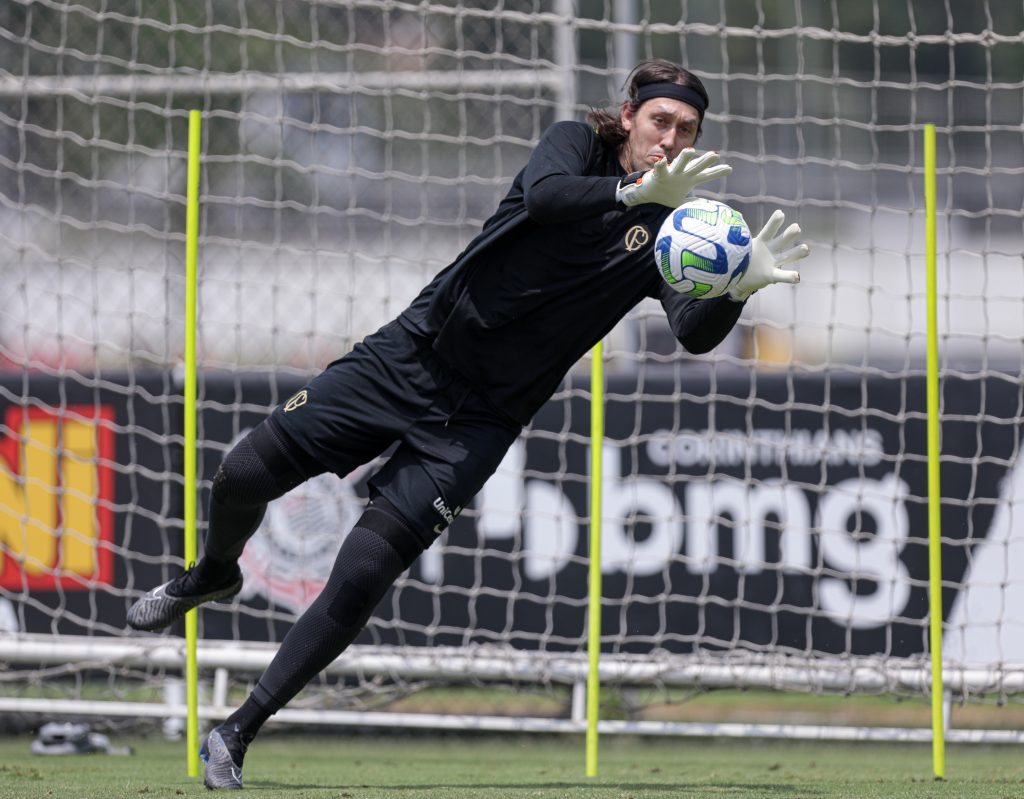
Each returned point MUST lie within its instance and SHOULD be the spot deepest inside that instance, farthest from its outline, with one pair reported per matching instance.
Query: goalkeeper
(455, 377)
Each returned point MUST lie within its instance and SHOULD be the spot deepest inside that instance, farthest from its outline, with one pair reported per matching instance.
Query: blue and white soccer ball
(703, 248)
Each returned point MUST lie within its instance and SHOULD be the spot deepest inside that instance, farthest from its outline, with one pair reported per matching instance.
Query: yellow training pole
(594, 603)
(191, 252)
(934, 490)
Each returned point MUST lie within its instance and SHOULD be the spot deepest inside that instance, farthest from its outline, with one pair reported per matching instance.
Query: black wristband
(630, 179)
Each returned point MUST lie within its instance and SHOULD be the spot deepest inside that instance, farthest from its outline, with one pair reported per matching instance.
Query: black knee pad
(384, 519)
(257, 470)
(380, 547)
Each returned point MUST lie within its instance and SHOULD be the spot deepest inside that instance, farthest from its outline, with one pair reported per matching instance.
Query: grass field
(525, 767)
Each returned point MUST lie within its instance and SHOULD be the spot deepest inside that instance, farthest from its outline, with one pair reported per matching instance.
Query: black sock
(248, 719)
(214, 572)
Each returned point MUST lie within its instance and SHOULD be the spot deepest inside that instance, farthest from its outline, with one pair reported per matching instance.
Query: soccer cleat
(169, 602)
(222, 753)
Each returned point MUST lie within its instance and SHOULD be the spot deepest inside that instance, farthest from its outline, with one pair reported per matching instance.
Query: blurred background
(351, 152)
(765, 504)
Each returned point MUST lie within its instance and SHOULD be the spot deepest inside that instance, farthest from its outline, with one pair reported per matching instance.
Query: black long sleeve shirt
(551, 273)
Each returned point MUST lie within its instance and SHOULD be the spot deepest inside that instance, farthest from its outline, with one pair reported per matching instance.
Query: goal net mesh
(765, 506)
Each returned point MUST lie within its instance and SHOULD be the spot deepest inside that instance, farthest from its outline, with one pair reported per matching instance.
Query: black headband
(673, 90)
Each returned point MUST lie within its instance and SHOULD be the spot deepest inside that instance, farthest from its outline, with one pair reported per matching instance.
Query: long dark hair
(608, 125)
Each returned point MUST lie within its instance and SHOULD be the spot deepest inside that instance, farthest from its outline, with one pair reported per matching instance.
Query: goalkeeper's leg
(262, 467)
(377, 550)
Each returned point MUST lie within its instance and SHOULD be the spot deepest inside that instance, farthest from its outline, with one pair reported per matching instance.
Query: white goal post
(765, 518)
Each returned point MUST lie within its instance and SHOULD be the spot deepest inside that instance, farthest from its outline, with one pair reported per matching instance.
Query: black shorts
(391, 388)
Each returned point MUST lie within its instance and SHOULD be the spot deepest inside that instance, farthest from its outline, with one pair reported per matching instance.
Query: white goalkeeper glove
(670, 183)
(768, 251)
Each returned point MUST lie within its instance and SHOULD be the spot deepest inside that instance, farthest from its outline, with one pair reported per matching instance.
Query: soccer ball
(703, 248)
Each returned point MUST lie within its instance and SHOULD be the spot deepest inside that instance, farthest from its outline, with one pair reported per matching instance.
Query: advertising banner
(761, 511)
(90, 497)
(770, 512)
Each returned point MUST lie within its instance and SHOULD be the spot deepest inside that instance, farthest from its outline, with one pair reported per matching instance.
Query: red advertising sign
(56, 495)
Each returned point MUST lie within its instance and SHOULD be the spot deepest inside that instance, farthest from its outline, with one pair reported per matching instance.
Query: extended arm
(555, 186)
(700, 325)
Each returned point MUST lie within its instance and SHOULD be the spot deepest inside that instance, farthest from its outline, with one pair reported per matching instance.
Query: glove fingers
(792, 254)
(715, 172)
(681, 160)
(659, 171)
(788, 238)
(785, 276)
(702, 163)
(771, 227)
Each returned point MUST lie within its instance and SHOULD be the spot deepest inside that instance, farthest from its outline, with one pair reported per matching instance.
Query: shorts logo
(636, 237)
(448, 515)
(297, 401)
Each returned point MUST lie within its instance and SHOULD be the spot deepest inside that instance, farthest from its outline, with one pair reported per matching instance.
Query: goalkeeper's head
(661, 115)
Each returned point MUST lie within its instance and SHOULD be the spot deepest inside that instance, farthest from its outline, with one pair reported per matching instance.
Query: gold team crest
(636, 237)
(297, 401)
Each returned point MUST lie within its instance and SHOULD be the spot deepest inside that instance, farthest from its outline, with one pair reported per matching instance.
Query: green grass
(525, 767)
